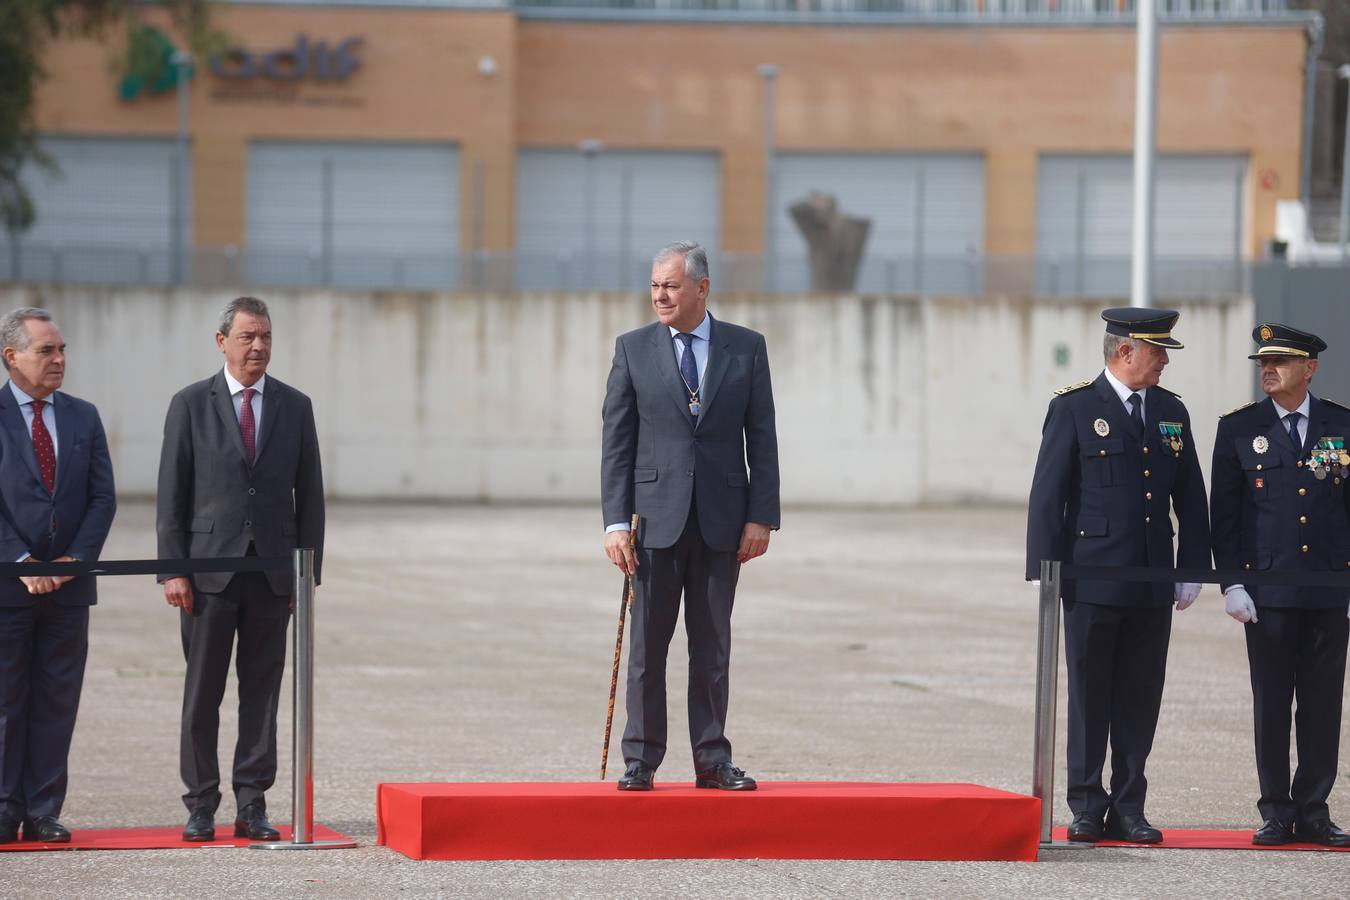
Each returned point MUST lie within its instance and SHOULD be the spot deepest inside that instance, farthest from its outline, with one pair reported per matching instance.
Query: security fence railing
(984, 10)
(969, 274)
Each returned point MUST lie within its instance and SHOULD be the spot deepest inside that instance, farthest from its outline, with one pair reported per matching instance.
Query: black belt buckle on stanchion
(302, 721)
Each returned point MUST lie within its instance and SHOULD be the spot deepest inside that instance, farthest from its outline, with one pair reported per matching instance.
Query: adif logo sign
(315, 60)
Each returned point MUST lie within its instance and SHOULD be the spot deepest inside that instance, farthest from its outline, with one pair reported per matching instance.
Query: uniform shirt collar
(235, 387)
(23, 397)
(1303, 408)
(1122, 391)
(704, 329)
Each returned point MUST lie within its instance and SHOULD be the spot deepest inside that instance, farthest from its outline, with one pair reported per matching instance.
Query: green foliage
(27, 27)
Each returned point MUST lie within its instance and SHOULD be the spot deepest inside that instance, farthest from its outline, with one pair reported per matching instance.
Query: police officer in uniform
(1114, 451)
(1281, 501)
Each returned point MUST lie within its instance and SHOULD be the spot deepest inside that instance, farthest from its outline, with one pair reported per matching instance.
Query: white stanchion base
(311, 845)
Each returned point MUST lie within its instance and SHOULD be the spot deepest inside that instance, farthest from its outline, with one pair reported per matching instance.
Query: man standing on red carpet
(239, 475)
(56, 505)
(688, 407)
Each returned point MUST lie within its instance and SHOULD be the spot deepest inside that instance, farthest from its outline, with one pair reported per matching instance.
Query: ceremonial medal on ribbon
(1171, 433)
(1260, 444)
(1329, 456)
(1101, 427)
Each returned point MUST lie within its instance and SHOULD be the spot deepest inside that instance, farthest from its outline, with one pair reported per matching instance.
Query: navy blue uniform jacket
(1270, 512)
(74, 519)
(1104, 500)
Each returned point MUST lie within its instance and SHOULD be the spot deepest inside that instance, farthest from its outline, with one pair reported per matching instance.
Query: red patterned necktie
(43, 448)
(246, 424)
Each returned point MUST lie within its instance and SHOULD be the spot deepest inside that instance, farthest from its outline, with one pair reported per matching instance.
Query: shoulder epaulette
(1239, 409)
(1334, 403)
(1159, 387)
(1073, 387)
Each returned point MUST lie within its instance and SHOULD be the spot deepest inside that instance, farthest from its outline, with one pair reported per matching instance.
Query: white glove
(1239, 604)
(1185, 595)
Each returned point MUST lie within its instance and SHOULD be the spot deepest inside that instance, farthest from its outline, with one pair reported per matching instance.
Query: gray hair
(1113, 342)
(251, 305)
(13, 331)
(695, 258)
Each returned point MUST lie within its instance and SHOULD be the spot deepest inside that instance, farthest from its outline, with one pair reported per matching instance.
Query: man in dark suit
(1113, 452)
(239, 475)
(56, 505)
(1280, 500)
(688, 405)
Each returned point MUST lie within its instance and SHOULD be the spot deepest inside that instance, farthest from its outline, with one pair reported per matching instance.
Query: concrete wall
(881, 401)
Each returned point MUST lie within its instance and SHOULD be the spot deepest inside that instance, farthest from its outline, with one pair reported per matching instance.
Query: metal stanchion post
(1047, 683)
(302, 662)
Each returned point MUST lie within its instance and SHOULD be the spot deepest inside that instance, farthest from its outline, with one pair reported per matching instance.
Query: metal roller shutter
(927, 214)
(353, 214)
(594, 220)
(107, 216)
(1084, 221)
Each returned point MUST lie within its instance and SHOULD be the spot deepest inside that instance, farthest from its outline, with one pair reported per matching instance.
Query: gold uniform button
(1304, 548)
(1259, 467)
(1146, 451)
(1148, 519)
(1302, 492)
(1082, 534)
(1303, 520)
(1148, 496)
(1247, 567)
(1299, 463)
(1146, 473)
(1101, 452)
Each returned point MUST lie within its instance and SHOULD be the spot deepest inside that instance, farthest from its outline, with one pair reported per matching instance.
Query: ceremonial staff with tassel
(625, 604)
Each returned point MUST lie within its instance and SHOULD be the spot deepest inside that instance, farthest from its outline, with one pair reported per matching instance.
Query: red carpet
(781, 820)
(156, 839)
(1195, 839)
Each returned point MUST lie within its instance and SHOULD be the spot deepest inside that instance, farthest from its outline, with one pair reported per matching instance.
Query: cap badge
(1266, 333)
(1101, 427)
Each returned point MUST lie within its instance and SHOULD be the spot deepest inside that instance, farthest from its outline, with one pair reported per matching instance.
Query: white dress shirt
(702, 336)
(1302, 410)
(1124, 393)
(237, 395)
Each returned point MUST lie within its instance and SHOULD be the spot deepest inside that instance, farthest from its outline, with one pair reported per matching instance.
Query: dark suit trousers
(707, 578)
(1117, 661)
(246, 608)
(1297, 653)
(43, 648)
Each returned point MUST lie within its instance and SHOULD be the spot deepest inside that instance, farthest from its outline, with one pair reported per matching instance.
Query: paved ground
(470, 643)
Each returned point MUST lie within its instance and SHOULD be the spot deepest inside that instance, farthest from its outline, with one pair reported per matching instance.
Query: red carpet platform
(781, 820)
(156, 839)
(1192, 839)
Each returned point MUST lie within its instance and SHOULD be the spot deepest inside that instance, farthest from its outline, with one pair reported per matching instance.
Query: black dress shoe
(725, 777)
(638, 777)
(1132, 829)
(252, 823)
(9, 830)
(1085, 828)
(45, 830)
(201, 825)
(1273, 833)
(1323, 832)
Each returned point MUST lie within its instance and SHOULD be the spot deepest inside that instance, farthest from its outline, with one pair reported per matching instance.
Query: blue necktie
(1135, 415)
(1292, 419)
(688, 367)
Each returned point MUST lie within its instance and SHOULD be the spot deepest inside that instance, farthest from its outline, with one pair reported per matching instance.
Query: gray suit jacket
(657, 457)
(211, 502)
